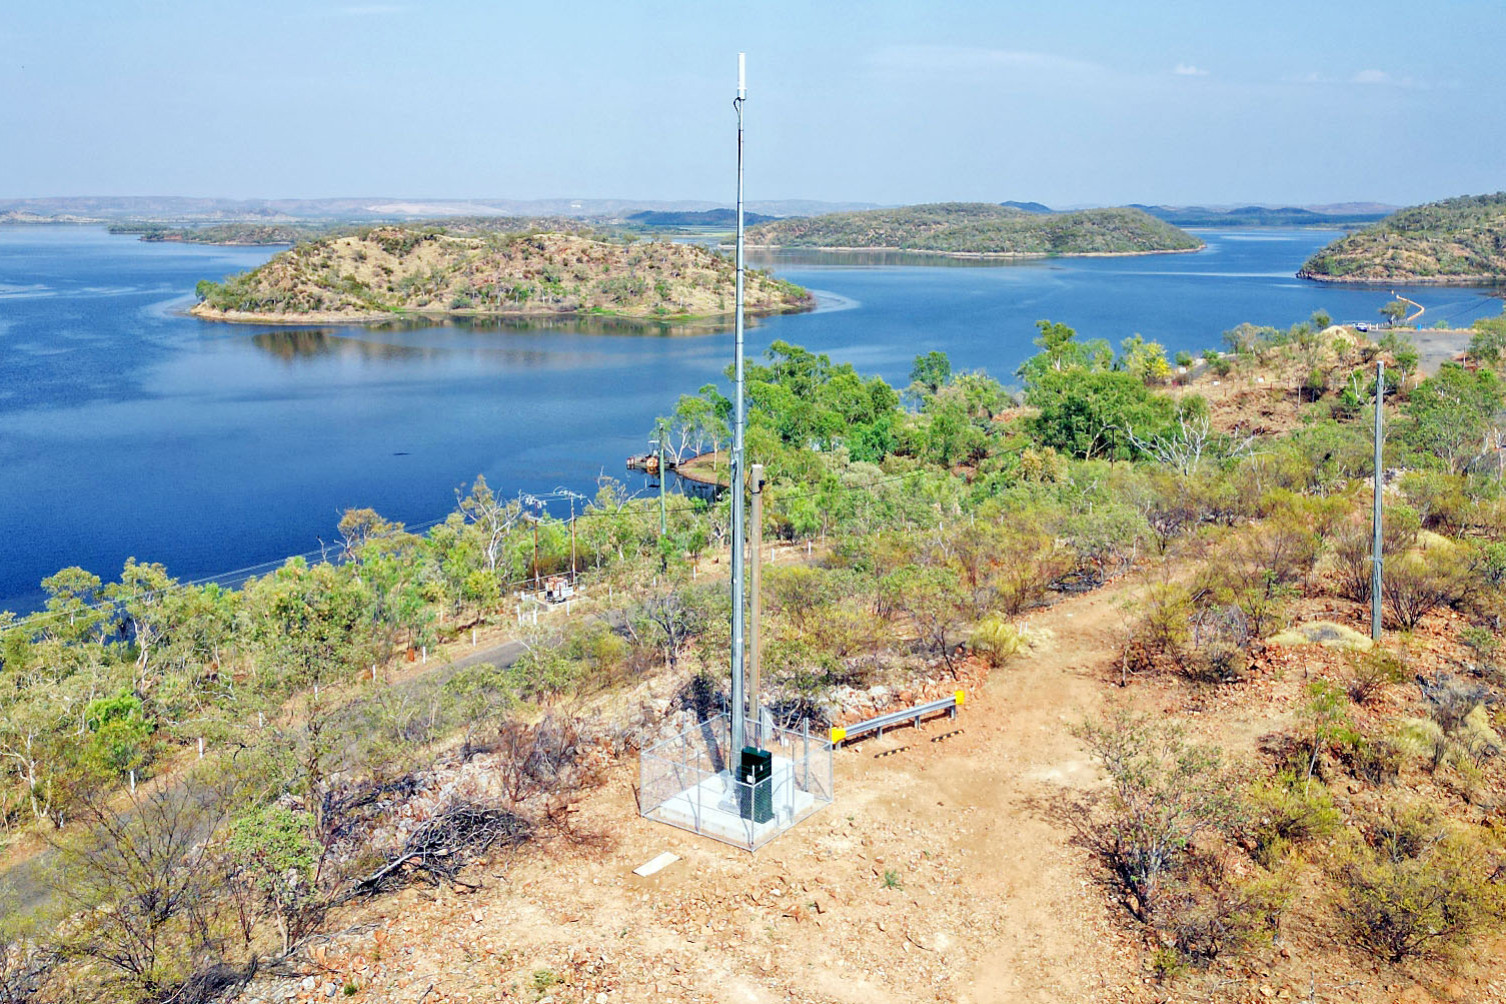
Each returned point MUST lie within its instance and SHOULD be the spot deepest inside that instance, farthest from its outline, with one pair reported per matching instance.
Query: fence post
(426, 655)
(805, 758)
(201, 747)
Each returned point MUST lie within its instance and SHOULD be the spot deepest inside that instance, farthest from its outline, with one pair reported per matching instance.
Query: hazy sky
(876, 101)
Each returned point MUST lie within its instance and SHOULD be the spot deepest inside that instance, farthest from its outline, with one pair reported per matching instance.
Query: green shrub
(1282, 813)
(1372, 670)
(1164, 792)
(1207, 912)
(1376, 759)
(1416, 584)
(997, 639)
(1417, 891)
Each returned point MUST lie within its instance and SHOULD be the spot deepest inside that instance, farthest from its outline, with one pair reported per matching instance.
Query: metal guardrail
(840, 734)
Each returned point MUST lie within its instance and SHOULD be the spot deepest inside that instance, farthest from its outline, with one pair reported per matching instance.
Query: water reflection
(292, 345)
(794, 257)
(409, 339)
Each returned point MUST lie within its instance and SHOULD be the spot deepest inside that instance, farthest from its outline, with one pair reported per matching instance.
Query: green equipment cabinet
(756, 768)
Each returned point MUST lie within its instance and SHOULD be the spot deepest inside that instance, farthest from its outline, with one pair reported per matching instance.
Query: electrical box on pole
(755, 605)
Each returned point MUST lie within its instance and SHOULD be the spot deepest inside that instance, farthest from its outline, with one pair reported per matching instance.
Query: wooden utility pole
(1375, 519)
(663, 516)
(755, 546)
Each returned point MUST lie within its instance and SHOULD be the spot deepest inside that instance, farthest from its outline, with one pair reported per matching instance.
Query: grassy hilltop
(391, 270)
(1456, 240)
(980, 228)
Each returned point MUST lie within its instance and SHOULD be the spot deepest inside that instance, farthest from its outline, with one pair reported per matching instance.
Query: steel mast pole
(738, 523)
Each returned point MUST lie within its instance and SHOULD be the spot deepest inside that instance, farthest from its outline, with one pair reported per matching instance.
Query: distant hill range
(703, 218)
(1457, 240)
(979, 228)
(188, 210)
(386, 271)
(1028, 207)
(1249, 216)
(250, 233)
(1262, 216)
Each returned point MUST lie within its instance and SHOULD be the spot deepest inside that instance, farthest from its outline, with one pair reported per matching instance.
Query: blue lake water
(130, 429)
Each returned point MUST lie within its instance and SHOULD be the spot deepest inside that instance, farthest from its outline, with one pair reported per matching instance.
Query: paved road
(1437, 346)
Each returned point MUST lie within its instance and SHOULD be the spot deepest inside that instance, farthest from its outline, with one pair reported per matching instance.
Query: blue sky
(1066, 103)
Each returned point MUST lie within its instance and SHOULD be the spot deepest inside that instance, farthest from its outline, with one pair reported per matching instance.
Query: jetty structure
(737, 777)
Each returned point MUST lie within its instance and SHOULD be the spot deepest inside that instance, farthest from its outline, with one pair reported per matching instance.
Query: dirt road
(944, 871)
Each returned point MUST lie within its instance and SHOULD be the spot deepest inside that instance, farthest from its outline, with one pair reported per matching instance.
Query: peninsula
(391, 270)
(229, 234)
(1461, 240)
(979, 229)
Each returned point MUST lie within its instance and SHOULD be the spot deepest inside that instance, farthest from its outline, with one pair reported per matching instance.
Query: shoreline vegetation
(979, 229)
(389, 272)
(975, 254)
(1459, 241)
(251, 775)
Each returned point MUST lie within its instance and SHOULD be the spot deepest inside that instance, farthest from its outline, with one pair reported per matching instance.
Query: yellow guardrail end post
(961, 696)
(837, 735)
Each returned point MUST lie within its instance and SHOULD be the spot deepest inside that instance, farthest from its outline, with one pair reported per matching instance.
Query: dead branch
(448, 841)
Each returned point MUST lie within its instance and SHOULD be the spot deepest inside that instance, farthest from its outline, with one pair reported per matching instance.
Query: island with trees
(387, 271)
(980, 229)
(1460, 240)
(232, 234)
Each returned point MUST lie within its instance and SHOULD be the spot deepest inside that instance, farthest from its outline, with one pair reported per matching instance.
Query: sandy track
(988, 903)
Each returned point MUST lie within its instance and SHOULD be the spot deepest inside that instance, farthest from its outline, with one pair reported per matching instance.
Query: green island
(979, 228)
(251, 234)
(381, 272)
(1456, 240)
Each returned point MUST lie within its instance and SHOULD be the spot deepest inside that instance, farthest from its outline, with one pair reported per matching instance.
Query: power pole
(535, 554)
(1375, 518)
(663, 517)
(754, 603)
(738, 591)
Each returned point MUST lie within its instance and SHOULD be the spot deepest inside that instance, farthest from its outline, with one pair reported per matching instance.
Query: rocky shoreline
(205, 312)
(1483, 279)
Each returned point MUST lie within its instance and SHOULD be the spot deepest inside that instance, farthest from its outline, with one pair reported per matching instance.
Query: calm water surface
(128, 428)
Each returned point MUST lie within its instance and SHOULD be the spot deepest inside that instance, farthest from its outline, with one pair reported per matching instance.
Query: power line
(102, 605)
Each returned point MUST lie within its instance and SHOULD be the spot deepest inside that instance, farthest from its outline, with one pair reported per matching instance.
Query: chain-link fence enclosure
(693, 781)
